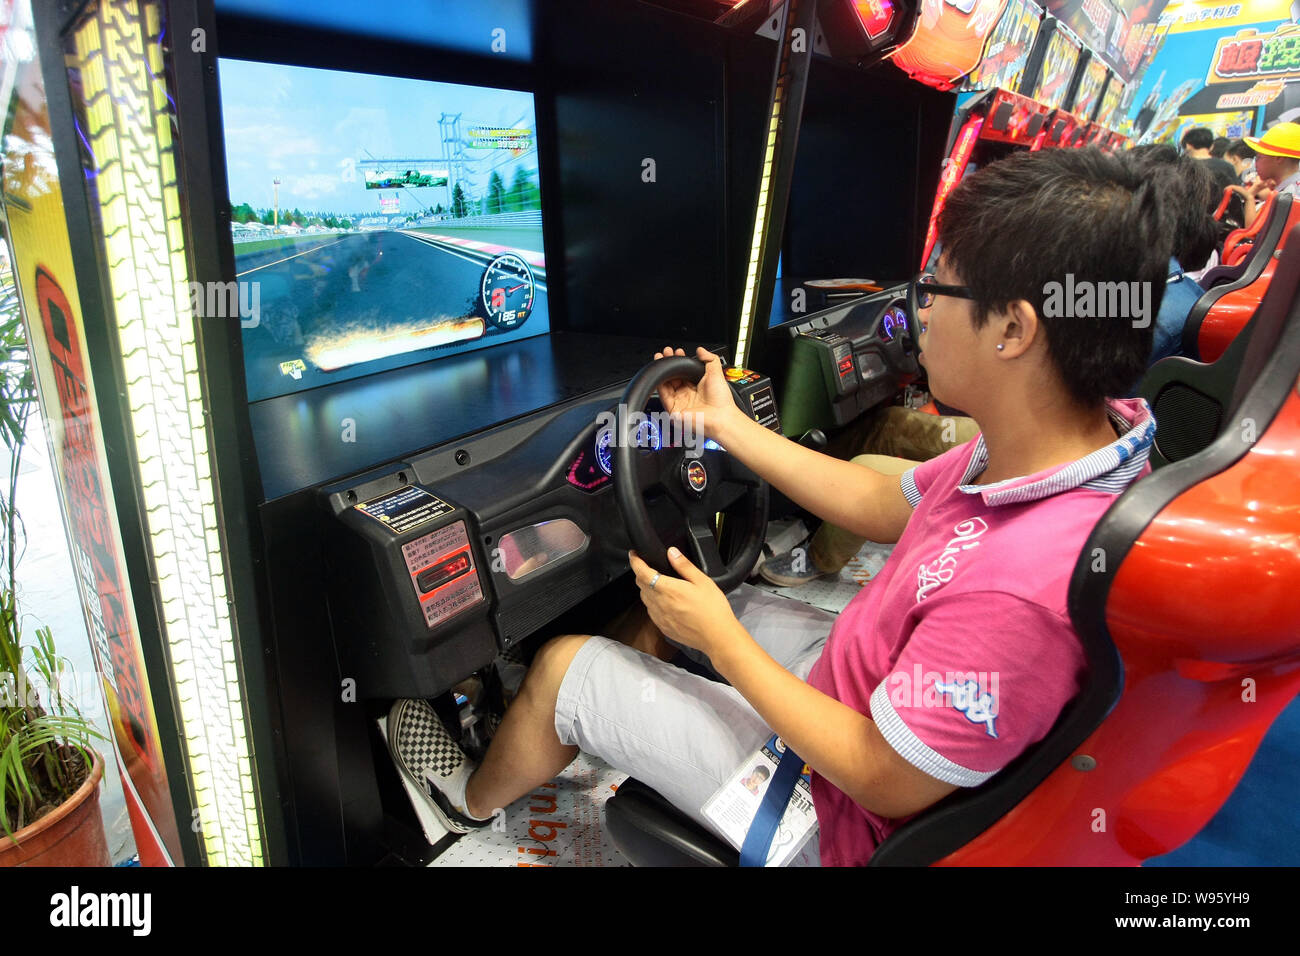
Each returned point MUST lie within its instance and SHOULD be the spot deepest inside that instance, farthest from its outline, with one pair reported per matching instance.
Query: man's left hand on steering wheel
(689, 608)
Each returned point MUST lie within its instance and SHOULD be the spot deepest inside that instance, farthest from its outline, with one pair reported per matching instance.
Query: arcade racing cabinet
(329, 325)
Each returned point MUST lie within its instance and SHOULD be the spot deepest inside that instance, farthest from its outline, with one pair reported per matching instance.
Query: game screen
(1090, 84)
(1008, 47)
(1110, 102)
(377, 221)
(1059, 61)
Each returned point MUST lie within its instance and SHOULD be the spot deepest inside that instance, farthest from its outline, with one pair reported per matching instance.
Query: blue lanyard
(770, 810)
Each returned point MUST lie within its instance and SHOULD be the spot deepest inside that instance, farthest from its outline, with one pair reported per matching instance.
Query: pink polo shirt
(961, 648)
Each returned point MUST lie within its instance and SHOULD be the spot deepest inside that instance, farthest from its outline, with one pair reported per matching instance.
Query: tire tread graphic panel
(127, 116)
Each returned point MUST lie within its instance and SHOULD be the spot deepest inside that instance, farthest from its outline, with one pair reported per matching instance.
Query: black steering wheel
(701, 483)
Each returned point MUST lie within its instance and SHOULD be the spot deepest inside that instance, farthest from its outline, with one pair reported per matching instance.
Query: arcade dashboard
(439, 562)
(846, 360)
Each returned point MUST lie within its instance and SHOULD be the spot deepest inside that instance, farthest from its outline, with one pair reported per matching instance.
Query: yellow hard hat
(1282, 140)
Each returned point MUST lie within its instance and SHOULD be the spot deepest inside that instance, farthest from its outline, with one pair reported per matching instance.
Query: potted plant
(49, 775)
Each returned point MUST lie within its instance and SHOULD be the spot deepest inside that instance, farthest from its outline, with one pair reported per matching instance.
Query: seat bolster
(650, 831)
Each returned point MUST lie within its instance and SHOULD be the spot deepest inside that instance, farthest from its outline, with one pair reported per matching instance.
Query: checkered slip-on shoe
(429, 758)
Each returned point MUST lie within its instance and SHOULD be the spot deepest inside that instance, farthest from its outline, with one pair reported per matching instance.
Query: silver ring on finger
(655, 580)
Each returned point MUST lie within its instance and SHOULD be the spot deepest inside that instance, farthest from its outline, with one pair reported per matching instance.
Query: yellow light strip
(748, 303)
(129, 129)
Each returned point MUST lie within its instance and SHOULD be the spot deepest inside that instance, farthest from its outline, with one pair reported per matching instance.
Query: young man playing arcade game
(972, 602)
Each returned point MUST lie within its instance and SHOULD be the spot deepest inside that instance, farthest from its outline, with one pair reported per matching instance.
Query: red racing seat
(1222, 274)
(1236, 246)
(1233, 294)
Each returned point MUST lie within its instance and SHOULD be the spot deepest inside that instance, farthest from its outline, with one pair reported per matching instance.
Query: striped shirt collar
(1111, 469)
(1289, 184)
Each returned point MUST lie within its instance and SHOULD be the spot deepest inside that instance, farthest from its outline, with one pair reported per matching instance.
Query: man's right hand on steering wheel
(706, 402)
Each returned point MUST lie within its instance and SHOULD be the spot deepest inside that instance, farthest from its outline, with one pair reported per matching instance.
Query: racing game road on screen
(377, 221)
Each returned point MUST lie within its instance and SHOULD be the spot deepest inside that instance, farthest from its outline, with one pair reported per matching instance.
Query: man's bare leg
(525, 751)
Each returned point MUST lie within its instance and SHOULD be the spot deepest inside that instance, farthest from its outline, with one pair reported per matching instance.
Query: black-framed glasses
(925, 287)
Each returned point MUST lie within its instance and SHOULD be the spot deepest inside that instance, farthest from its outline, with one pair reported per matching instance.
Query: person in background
(1277, 167)
(1196, 144)
(1241, 157)
(1189, 198)
(1219, 147)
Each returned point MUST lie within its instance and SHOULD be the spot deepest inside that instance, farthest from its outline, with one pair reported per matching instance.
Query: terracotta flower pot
(70, 835)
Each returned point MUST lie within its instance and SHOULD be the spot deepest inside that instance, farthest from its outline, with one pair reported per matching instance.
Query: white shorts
(678, 732)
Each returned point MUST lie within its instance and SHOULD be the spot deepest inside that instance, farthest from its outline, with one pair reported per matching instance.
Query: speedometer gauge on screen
(507, 291)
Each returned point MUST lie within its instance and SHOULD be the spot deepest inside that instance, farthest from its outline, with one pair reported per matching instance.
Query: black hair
(1157, 152)
(1199, 138)
(762, 770)
(1241, 149)
(1190, 195)
(1019, 226)
(1219, 146)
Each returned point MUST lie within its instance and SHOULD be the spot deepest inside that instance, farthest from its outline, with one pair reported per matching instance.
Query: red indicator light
(432, 578)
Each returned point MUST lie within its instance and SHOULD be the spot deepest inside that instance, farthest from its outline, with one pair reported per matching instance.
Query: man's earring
(1001, 346)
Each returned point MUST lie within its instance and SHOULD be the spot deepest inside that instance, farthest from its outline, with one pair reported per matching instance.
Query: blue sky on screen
(310, 127)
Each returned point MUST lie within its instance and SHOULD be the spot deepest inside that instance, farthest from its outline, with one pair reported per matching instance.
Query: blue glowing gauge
(647, 436)
(894, 323)
(603, 439)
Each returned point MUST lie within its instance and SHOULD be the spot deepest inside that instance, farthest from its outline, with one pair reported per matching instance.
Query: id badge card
(733, 805)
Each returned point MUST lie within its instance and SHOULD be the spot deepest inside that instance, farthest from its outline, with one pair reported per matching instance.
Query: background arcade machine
(1108, 113)
(993, 114)
(813, 204)
(1085, 99)
(835, 363)
(868, 143)
(1042, 98)
(1049, 79)
(1077, 121)
(846, 360)
(373, 290)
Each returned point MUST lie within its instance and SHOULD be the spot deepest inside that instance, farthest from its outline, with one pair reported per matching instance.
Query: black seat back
(1192, 401)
